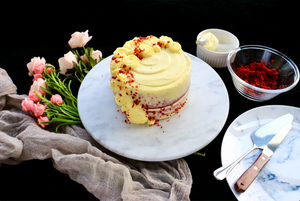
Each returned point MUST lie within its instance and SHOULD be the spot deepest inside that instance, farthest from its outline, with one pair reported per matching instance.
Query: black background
(43, 28)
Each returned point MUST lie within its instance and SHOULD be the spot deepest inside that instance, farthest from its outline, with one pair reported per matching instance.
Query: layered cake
(150, 78)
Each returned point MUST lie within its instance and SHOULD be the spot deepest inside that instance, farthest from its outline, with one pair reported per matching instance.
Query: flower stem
(67, 113)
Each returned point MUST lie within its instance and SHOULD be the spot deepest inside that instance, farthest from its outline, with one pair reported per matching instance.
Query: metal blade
(262, 136)
(276, 140)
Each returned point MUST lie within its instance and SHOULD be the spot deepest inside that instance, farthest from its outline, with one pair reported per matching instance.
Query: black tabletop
(43, 28)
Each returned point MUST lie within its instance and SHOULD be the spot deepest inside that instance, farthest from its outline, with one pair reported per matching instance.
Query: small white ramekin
(213, 58)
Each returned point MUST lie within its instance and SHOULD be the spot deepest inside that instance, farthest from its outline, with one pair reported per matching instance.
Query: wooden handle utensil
(251, 173)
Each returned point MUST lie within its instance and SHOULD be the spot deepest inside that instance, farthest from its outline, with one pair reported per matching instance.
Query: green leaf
(62, 120)
(71, 71)
(90, 50)
(92, 61)
(83, 65)
(46, 90)
(73, 113)
(63, 124)
(66, 112)
(68, 47)
(78, 77)
(199, 154)
(77, 67)
(86, 71)
(75, 106)
(44, 122)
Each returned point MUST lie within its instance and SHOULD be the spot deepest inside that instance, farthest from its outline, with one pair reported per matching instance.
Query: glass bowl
(244, 55)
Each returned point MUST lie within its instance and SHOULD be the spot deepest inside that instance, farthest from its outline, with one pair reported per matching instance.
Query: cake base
(166, 112)
(159, 113)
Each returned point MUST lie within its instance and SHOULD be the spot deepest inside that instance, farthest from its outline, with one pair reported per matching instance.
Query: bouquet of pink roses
(50, 98)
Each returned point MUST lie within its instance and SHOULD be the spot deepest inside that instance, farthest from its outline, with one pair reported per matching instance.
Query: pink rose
(36, 76)
(34, 61)
(39, 68)
(66, 62)
(42, 118)
(95, 55)
(32, 96)
(49, 69)
(56, 99)
(27, 105)
(79, 39)
(36, 86)
(38, 109)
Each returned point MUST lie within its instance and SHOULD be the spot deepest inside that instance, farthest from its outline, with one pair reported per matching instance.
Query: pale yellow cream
(211, 41)
(149, 73)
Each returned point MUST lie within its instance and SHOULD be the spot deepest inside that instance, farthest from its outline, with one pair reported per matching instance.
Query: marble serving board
(195, 126)
(280, 178)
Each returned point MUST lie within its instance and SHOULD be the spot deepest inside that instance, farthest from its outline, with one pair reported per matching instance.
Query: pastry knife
(251, 173)
(260, 138)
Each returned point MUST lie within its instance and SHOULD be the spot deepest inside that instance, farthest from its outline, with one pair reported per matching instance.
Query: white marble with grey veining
(195, 126)
(280, 178)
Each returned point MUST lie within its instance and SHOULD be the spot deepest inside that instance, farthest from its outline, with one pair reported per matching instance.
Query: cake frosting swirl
(150, 78)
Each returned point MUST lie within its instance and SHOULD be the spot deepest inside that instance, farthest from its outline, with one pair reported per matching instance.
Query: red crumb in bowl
(259, 75)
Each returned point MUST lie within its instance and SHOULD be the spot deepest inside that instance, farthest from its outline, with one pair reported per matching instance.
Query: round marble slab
(280, 178)
(195, 126)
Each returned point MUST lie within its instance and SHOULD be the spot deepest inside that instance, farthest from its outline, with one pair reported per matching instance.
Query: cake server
(260, 138)
(251, 173)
